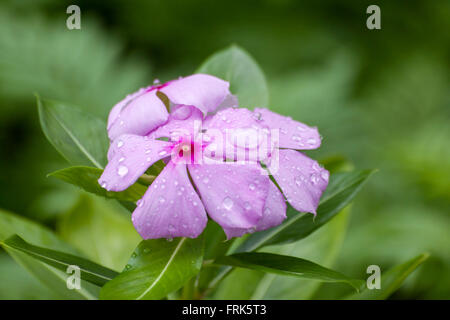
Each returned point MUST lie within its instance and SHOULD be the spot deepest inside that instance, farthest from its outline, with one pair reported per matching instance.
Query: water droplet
(103, 185)
(194, 204)
(140, 203)
(156, 81)
(146, 250)
(247, 206)
(298, 180)
(128, 267)
(175, 182)
(311, 141)
(119, 144)
(300, 128)
(314, 179)
(149, 159)
(296, 138)
(122, 171)
(121, 159)
(251, 186)
(227, 203)
(162, 199)
(205, 180)
(257, 115)
(325, 175)
(134, 255)
(267, 211)
(148, 151)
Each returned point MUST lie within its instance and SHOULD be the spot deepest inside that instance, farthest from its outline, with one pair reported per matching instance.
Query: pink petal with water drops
(300, 178)
(183, 121)
(130, 157)
(235, 134)
(170, 208)
(292, 134)
(233, 194)
(115, 111)
(203, 91)
(140, 116)
(274, 213)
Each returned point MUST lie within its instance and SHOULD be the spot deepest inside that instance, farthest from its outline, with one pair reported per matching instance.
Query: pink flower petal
(236, 134)
(200, 90)
(300, 178)
(115, 111)
(140, 116)
(130, 156)
(182, 121)
(293, 134)
(233, 194)
(274, 213)
(170, 208)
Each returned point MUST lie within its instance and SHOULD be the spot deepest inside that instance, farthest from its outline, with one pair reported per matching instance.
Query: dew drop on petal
(205, 180)
(162, 199)
(296, 138)
(119, 144)
(267, 211)
(122, 171)
(227, 203)
(251, 186)
(311, 141)
(247, 206)
(162, 153)
(140, 203)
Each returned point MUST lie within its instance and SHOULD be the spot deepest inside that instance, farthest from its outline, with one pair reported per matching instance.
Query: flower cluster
(219, 160)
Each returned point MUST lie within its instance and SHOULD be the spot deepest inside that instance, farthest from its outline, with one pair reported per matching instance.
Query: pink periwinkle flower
(218, 159)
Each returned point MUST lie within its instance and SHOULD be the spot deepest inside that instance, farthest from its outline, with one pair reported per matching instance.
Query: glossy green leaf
(322, 246)
(391, 280)
(341, 190)
(79, 136)
(286, 265)
(36, 234)
(156, 268)
(100, 229)
(87, 179)
(89, 270)
(246, 79)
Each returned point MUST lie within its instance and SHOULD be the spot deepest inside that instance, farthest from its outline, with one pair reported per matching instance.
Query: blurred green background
(380, 98)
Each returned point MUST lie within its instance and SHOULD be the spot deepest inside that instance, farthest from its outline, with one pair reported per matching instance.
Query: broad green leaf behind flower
(246, 79)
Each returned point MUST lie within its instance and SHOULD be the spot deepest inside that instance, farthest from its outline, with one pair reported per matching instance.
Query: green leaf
(36, 234)
(286, 265)
(89, 270)
(79, 136)
(156, 268)
(100, 229)
(341, 190)
(391, 280)
(322, 247)
(87, 179)
(246, 79)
